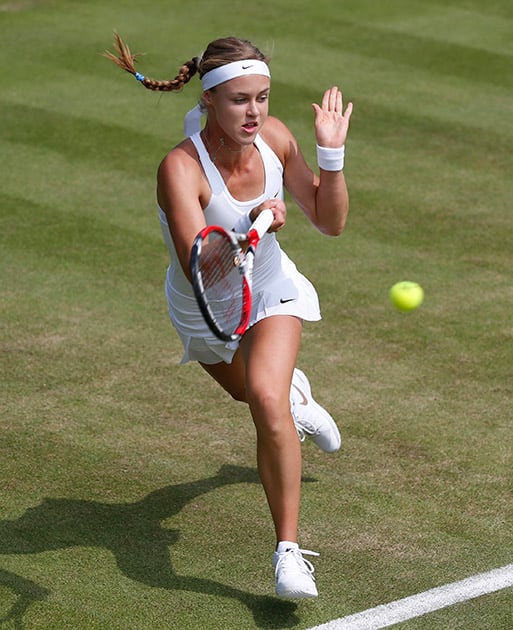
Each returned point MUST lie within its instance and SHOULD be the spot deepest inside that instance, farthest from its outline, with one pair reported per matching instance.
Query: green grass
(129, 496)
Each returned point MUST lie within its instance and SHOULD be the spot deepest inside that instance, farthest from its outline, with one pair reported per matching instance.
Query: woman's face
(240, 107)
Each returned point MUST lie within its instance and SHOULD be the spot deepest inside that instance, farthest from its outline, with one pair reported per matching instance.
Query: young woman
(226, 173)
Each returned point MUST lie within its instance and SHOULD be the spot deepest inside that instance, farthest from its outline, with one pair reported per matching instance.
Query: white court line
(429, 601)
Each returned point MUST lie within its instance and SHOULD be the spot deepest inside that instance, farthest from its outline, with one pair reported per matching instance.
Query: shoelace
(298, 556)
(304, 426)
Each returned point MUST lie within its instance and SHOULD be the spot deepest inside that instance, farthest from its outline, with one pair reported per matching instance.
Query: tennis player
(227, 170)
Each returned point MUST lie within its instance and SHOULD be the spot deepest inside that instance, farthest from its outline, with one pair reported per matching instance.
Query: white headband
(246, 67)
(232, 71)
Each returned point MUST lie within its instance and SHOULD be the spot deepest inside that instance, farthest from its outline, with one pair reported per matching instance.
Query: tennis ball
(406, 296)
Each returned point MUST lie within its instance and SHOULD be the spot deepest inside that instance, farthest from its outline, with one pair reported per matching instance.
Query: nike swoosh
(282, 301)
(246, 67)
(304, 400)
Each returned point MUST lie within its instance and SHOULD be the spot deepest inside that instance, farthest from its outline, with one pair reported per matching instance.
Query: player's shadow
(134, 535)
(26, 592)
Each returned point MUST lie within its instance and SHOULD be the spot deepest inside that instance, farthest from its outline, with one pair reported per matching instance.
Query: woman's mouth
(250, 126)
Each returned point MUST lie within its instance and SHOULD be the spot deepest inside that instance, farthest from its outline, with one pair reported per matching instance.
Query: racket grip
(263, 222)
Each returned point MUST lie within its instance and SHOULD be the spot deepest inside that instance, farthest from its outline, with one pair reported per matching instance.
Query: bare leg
(268, 352)
(231, 376)
(271, 351)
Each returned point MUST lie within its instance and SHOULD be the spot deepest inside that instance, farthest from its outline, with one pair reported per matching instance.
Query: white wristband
(330, 159)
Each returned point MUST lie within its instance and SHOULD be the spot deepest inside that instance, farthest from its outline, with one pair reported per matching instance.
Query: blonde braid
(126, 60)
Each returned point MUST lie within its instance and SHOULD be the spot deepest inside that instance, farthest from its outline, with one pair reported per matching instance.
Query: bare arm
(180, 190)
(323, 198)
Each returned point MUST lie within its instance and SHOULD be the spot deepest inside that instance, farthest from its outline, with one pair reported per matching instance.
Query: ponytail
(126, 61)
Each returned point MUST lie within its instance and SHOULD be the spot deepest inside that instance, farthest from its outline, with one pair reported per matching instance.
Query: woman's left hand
(279, 210)
(331, 122)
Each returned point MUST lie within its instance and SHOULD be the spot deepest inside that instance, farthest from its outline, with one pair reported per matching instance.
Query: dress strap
(214, 178)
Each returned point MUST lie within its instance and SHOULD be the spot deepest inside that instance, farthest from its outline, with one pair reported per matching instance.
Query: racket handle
(263, 222)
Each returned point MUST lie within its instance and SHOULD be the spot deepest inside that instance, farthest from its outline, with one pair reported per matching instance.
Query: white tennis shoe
(310, 418)
(293, 574)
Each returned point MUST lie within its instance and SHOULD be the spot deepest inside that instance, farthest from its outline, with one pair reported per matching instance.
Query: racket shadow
(133, 533)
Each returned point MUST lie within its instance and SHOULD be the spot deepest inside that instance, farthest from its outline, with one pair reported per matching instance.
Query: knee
(270, 410)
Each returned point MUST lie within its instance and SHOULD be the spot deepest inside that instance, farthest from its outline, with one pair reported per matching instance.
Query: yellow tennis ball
(406, 296)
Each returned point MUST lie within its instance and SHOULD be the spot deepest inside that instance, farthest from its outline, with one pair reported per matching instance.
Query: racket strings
(219, 262)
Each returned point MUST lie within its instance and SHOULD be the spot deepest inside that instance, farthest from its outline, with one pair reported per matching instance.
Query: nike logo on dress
(284, 301)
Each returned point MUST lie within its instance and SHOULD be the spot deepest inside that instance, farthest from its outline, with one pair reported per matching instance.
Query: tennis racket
(222, 275)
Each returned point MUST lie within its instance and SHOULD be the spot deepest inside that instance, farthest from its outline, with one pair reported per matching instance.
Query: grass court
(129, 495)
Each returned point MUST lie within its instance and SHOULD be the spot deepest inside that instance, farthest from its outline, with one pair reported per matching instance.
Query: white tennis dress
(278, 287)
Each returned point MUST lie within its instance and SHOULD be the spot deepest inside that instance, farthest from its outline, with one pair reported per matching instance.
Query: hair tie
(139, 76)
